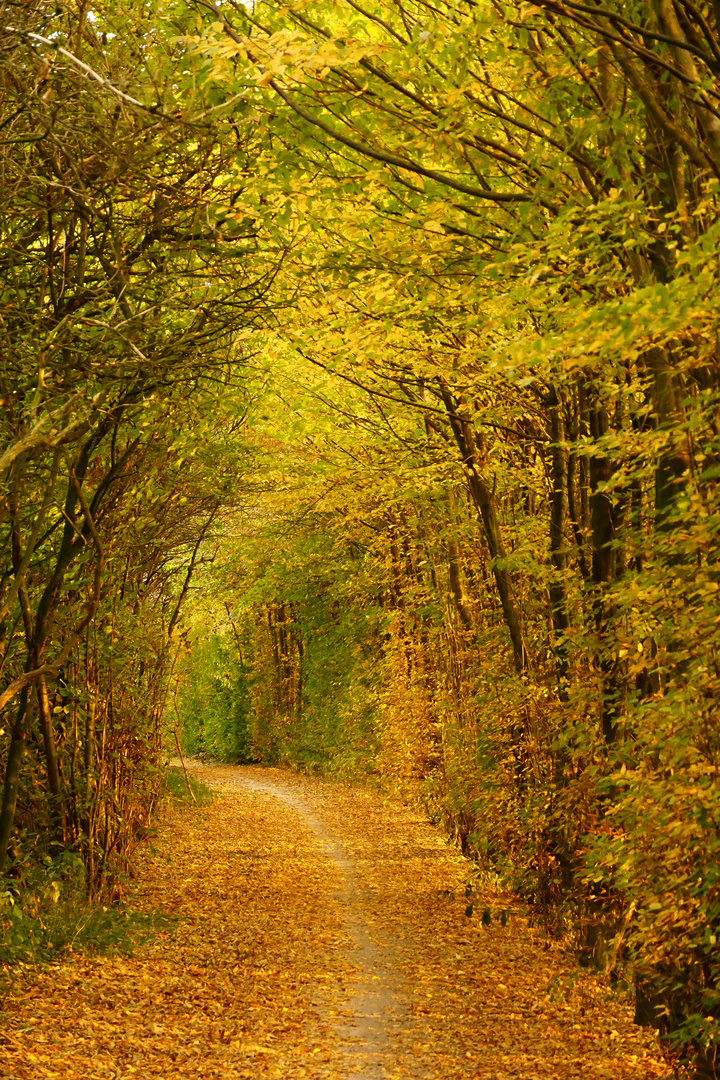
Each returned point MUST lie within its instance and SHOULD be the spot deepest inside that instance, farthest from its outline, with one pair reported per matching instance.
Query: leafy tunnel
(361, 414)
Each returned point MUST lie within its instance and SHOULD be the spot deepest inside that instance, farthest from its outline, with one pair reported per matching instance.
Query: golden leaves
(260, 977)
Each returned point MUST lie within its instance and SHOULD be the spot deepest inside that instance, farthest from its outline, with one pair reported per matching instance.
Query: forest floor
(319, 931)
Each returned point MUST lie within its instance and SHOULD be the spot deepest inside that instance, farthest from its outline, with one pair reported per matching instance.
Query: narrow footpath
(319, 931)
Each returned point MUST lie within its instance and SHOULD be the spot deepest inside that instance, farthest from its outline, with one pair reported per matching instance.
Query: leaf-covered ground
(315, 937)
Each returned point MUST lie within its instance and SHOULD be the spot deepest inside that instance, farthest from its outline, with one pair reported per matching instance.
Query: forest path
(316, 936)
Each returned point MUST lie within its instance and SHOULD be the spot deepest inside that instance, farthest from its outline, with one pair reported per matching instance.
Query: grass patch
(176, 788)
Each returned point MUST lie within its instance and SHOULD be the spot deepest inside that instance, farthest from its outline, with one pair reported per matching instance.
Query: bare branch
(85, 68)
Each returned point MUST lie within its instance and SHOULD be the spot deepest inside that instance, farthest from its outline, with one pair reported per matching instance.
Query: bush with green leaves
(213, 703)
(44, 912)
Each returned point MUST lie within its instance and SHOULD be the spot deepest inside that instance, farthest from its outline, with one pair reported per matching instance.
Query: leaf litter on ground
(318, 930)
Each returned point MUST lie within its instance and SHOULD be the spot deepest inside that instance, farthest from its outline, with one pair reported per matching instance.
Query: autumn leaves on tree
(394, 328)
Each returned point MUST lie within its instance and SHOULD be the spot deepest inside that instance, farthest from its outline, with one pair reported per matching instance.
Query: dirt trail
(320, 933)
(376, 1001)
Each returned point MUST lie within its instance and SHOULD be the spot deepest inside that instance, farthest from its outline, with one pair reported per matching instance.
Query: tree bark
(52, 766)
(455, 567)
(558, 545)
(484, 500)
(12, 775)
(602, 520)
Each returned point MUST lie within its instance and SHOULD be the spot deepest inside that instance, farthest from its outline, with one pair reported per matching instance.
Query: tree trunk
(674, 461)
(484, 501)
(575, 475)
(558, 546)
(602, 520)
(52, 766)
(12, 775)
(454, 567)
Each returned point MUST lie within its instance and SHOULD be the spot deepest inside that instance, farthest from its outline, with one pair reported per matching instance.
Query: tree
(123, 286)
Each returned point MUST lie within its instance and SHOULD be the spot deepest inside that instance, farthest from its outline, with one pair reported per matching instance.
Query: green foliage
(214, 705)
(118, 320)
(46, 914)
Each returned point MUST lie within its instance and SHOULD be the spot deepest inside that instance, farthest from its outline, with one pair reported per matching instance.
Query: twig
(90, 72)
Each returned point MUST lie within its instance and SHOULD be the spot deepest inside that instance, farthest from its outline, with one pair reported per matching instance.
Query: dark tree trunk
(558, 545)
(13, 767)
(484, 500)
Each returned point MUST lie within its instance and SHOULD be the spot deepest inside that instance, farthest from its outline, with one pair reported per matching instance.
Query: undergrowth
(44, 910)
(176, 788)
(48, 914)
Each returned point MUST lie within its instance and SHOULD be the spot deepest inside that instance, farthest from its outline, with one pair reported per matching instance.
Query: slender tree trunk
(236, 634)
(558, 545)
(484, 500)
(52, 765)
(277, 681)
(574, 490)
(674, 461)
(454, 566)
(602, 517)
(297, 633)
(286, 665)
(12, 775)
(87, 819)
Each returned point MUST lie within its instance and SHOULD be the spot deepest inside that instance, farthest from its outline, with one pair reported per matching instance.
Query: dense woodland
(361, 412)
